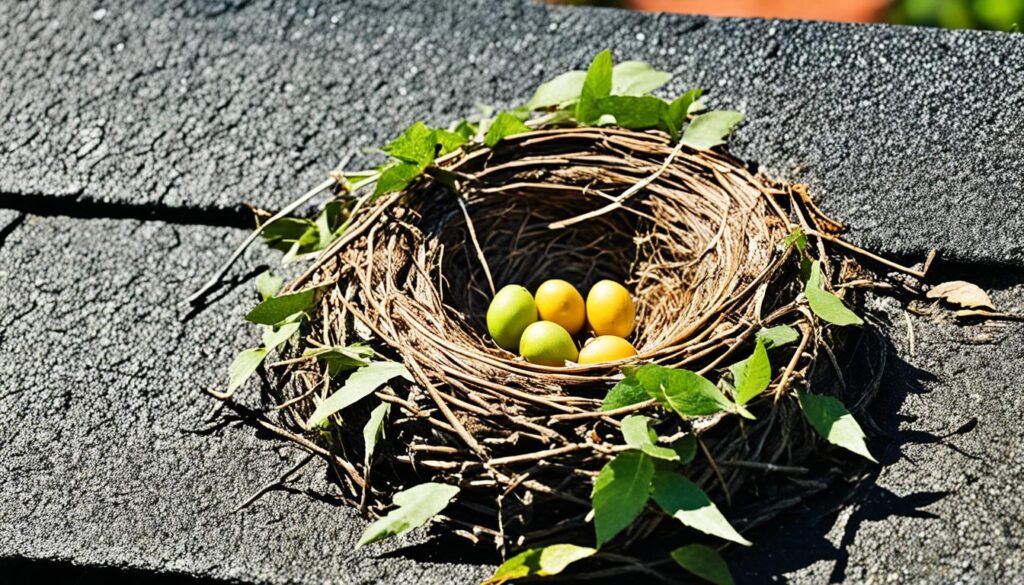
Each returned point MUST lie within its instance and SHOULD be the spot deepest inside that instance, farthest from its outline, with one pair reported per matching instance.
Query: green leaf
(274, 336)
(825, 304)
(416, 505)
(340, 358)
(686, 448)
(596, 85)
(243, 366)
(373, 430)
(710, 129)
(796, 237)
(830, 418)
(560, 118)
(396, 178)
(753, 374)
(360, 384)
(449, 141)
(326, 222)
(637, 433)
(703, 562)
(687, 393)
(323, 230)
(636, 113)
(359, 176)
(276, 309)
(267, 284)
(675, 115)
(484, 110)
(620, 493)
(415, 146)
(503, 126)
(539, 562)
(636, 78)
(286, 232)
(778, 336)
(805, 269)
(521, 113)
(685, 501)
(466, 129)
(561, 90)
(626, 392)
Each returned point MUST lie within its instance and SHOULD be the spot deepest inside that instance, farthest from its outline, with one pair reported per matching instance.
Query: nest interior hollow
(693, 235)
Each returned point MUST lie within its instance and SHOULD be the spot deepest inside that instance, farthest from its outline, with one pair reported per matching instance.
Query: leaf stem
(217, 276)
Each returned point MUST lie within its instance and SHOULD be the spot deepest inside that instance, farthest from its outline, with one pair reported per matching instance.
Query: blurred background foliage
(1002, 15)
(1005, 15)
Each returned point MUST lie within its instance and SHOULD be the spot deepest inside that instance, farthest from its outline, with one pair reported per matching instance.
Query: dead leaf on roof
(963, 293)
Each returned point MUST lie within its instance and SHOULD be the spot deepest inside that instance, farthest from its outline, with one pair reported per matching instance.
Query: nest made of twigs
(695, 236)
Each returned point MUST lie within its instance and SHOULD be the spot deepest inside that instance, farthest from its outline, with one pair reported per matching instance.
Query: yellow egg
(547, 344)
(607, 348)
(509, 313)
(610, 309)
(560, 302)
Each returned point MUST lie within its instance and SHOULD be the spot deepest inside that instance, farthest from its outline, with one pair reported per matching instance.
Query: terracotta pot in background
(835, 10)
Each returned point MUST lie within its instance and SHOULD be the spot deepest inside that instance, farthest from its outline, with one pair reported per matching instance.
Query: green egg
(547, 344)
(511, 311)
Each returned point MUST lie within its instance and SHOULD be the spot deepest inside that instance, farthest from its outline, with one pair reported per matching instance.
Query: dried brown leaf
(963, 293)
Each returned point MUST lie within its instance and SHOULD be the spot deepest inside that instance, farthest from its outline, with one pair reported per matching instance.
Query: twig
(623, 197)
(476, 243)
(527, 457)
(718, 473)
(605, 413)
(989, 314)
(217, 276)
(768, 467)
(791, 366)
(899, 267)
(910, 332)
(300, 441)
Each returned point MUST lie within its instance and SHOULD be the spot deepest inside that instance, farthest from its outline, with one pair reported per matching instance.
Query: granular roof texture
(151, 124)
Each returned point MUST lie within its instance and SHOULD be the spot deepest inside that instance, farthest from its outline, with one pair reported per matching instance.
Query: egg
(560, 302)
(509, 314)
(547, 344)
(610, 309)
(606, 348)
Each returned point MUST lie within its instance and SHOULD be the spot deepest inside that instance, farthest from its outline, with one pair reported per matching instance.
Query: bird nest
(698, 240)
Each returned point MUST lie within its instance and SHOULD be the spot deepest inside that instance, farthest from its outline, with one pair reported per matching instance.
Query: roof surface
(132, 134)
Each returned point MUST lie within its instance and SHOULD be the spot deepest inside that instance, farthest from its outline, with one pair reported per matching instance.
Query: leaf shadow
(806, 536)
(445, 548)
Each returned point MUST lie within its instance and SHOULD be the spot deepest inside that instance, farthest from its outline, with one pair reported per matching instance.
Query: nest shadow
(800, 539)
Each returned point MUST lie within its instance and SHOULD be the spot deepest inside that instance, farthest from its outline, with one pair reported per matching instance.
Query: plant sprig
(604, 95)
